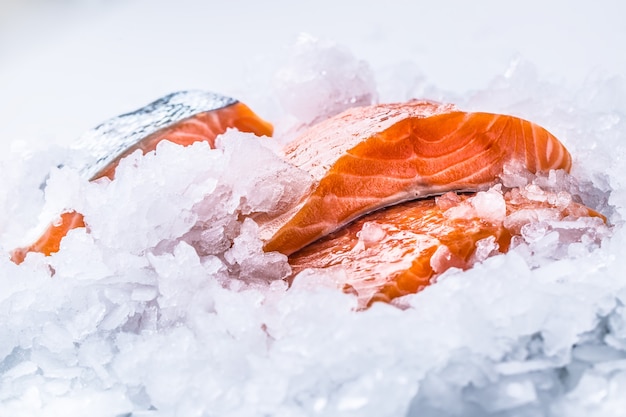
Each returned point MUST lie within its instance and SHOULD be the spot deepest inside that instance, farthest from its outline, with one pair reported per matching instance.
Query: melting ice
(168, 306)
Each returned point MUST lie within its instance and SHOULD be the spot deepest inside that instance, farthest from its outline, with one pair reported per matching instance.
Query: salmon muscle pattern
(372, 157)
(183, 118)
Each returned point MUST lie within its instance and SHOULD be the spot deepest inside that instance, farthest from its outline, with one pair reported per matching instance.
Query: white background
(67, 65)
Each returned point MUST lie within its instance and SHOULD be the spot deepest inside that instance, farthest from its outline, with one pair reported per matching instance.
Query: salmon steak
(367, 158)
(402, 249)
(183, 117)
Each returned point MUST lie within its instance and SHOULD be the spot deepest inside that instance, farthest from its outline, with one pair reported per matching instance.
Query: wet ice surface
(168, 306)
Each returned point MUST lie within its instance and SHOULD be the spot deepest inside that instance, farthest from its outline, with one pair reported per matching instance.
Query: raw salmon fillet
(183, 118)
(372, 157)
(401, 249)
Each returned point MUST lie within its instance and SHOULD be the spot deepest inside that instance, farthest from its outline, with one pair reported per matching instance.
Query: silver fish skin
(109, 140)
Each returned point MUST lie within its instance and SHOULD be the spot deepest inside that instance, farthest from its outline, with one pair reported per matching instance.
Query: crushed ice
(168, 306)
(370, 233)
(328, 76)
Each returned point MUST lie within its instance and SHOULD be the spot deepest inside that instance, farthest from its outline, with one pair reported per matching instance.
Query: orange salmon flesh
(372, 157)
(50, 241)
(401, 249)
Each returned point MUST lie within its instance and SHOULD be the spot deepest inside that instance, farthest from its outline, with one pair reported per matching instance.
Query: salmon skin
(183, 117)
(401, 249)
(371, 157)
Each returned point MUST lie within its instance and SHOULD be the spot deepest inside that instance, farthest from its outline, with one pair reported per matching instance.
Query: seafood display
(401, 192)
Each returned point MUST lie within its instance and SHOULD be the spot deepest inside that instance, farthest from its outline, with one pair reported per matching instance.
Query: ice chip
(510, 393)
(490, 205)
(561, 199)
(597, 353)
(323, 79)
(262, 182)
(485, 248)
(617, 328)
(535, 193)
(443, 259)
(371, 232)
(515, 175)
(352, 403)
(55, 338)
(87, 320)
(533, 232)
(529, 219)
(447, 200)
(591, 389)
(251, 261)
(464, 210)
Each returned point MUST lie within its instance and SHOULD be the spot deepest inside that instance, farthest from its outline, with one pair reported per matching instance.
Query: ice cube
(371, 233)
(490, 205)
(323, 79)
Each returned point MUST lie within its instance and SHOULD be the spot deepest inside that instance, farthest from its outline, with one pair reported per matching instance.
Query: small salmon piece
(372, 157)
(183, 118)
(401, 249)
(50, 241)
(205, 127)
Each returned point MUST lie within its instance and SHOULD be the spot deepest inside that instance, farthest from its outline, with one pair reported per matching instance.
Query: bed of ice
(169, 307)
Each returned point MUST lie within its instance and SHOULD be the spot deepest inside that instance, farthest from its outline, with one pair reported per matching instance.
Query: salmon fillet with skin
(401, 249)
(372, 157)
(183, 118)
